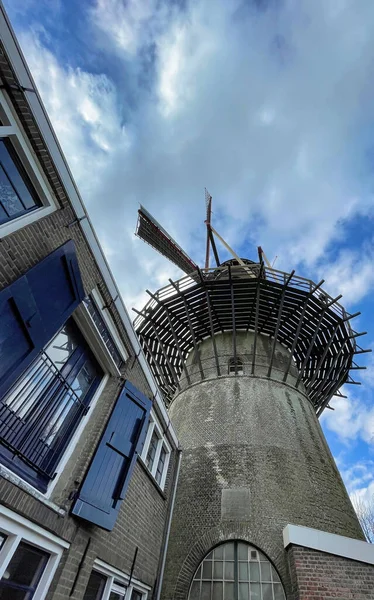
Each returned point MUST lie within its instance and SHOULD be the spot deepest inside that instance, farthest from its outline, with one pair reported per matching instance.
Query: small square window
(236, 366)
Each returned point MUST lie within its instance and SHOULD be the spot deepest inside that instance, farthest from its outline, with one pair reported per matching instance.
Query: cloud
(351, 419)
(267, 104)
(351, 274)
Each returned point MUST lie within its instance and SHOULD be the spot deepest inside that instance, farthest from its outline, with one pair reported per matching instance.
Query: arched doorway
(236, 571)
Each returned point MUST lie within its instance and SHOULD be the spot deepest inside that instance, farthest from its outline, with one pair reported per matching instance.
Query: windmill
(247, 357)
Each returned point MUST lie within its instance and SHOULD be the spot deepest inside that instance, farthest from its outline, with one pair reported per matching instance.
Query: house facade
(88, 456)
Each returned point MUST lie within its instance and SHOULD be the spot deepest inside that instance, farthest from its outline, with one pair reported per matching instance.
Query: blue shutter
(34, 308)
(106, 481)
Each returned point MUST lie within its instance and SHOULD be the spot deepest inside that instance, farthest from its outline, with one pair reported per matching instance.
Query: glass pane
(229, 591)
(207, 569)
(217, 591)
(198, 573)
(13, 173)
(195, 590)
(265, 572)
(274, 574)
(209, 556)
(243, 571)
(254, 555)
(278, 592)
(3, 537)
(7, 593)
(218, 552)
(243, 591)
(84, 379)
(267, 591)
(161, 464)
(254, 572)
(116, 596)
(8, 196)
(63, 345)
(95, 586)
(218, 570)
(229, 570)
(26, 566)
(205, 590)
(229, 551)
(242, 551)
(255, 591)
(152, 451)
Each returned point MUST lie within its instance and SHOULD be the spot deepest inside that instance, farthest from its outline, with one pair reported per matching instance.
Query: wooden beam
(186, 308)
(296, 336)
(309, 351)
(211, 324)
(173, 333)
(164, 352)
(282, 297)
(256, 324)
(233, 320)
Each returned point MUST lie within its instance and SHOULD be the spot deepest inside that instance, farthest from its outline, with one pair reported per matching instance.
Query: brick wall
(141, 521)
(319, 576)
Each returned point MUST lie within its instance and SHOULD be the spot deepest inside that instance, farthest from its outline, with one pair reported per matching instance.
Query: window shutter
(33, 308)
(106, 481)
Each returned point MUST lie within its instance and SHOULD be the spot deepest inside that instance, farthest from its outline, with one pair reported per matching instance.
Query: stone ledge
(329, 543)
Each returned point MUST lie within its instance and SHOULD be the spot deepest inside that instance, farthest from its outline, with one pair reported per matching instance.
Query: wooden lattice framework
(290, 309)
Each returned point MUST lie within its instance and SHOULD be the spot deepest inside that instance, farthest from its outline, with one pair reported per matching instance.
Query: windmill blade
(151, 232)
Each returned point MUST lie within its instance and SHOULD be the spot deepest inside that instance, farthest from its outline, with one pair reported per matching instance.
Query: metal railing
(240, 272)
(39, 414)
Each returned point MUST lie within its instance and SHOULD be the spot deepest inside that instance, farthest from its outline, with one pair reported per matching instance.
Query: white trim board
(330, 543)
(39, 112)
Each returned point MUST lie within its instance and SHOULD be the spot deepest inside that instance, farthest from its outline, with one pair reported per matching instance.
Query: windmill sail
(150, 231)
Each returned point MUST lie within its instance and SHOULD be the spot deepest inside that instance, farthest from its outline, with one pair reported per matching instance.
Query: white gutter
(25, 79)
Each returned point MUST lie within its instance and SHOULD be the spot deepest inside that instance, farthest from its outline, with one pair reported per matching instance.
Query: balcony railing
(39, 414)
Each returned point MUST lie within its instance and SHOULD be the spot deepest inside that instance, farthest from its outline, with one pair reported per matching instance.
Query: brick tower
(248, 358)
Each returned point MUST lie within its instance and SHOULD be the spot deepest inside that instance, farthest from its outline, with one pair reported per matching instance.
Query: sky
(269, 104)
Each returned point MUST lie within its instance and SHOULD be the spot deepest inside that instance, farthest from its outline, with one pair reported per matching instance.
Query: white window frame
(115, 574)
(162, 442)
(27, 156)
(17, 528)
(110, 324)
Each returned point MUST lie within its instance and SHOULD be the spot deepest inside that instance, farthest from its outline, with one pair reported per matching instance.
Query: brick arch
(223, 533)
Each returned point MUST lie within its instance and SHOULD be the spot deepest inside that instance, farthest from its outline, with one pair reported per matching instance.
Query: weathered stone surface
(249, 433)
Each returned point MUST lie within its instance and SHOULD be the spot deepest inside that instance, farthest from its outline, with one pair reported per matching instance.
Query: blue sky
(267, 103)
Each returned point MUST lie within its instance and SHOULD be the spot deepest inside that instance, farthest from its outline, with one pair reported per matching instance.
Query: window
(236, 366)
(102, 326)
(40, 413)
(24, 193)
(156, 452)
(150, 459)
(236, 571)
(28, 557)
(107, 583)
(17, 195)
(23, 572)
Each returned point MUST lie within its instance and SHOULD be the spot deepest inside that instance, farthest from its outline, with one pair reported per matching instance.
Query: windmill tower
(248, 357)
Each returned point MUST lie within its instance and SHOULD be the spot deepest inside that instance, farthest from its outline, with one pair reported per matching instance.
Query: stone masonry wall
(254, 460)
(319, 576)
